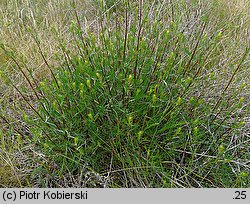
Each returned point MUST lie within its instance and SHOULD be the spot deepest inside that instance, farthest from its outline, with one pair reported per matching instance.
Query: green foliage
(129, 101)
(125, 100)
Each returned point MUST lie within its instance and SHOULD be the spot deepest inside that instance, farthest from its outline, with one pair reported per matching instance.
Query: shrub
(126, 106)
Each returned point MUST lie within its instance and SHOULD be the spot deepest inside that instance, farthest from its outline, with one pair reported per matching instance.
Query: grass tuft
(147, 96)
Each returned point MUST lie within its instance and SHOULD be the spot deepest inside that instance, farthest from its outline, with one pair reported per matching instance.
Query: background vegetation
(124, 93)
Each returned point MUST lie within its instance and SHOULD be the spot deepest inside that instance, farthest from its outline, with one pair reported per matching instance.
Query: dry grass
(19, 17)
